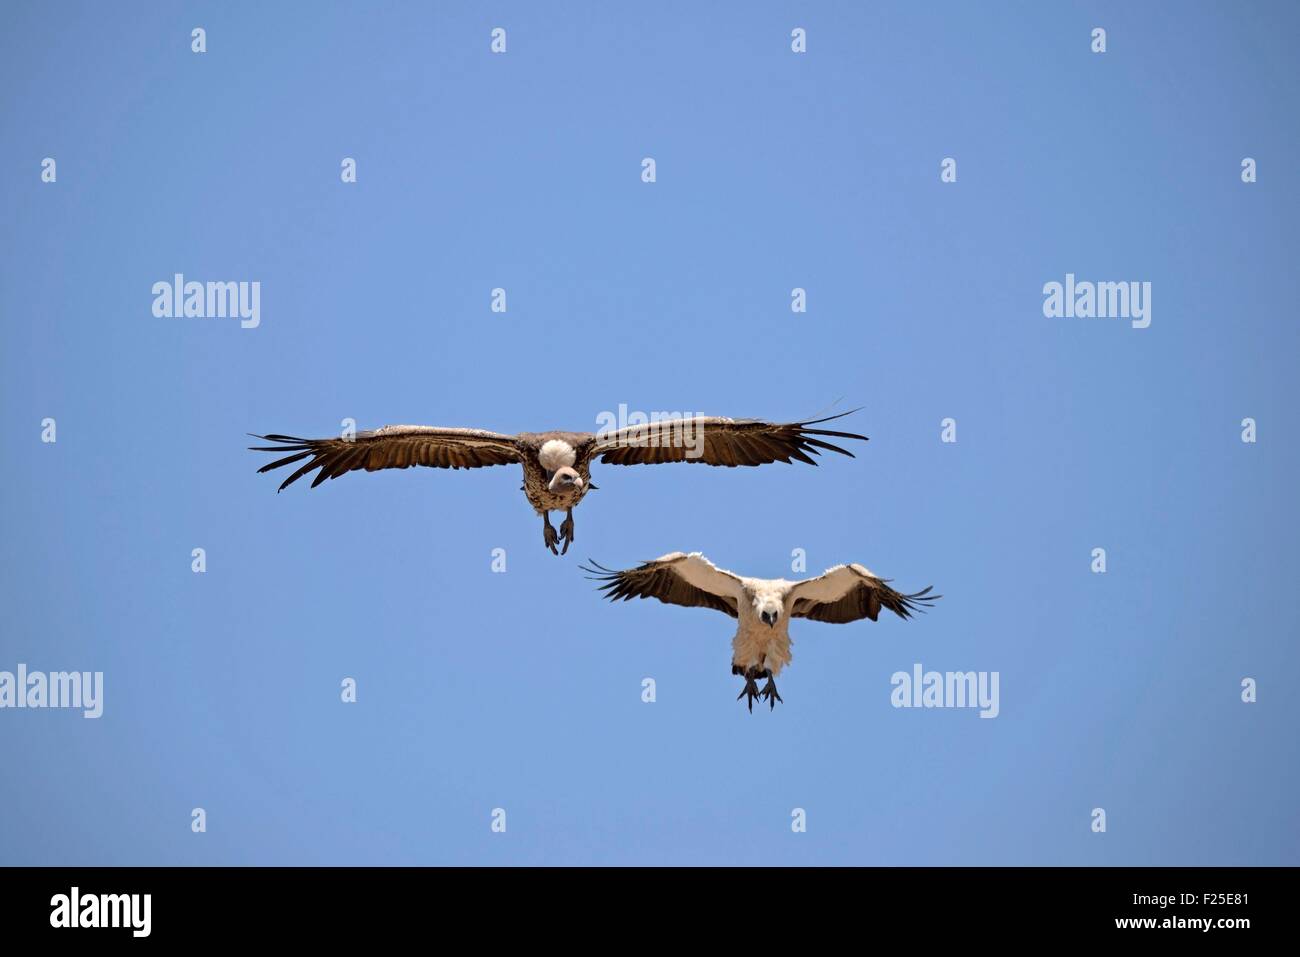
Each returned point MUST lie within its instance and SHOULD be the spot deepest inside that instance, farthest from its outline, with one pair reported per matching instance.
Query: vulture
(762, 607)
(556, 465)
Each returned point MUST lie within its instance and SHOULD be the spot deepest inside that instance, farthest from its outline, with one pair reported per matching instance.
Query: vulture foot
(750, 691)
(566, 531)
(549, 536)
(769, 693)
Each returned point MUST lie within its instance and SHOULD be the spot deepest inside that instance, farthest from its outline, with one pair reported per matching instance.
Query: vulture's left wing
(713, 440)
(849, 592)
(676, 579)
(392, 447)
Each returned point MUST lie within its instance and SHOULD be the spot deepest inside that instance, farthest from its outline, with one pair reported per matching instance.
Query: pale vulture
(556, 464)
(762, 607)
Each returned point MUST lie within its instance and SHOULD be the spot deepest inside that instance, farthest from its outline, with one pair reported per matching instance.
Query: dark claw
(770, 695)
(566, 531)
(750, 691)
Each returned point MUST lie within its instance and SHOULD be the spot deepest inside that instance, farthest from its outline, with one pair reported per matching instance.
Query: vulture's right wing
(392, 447)
(676, 579)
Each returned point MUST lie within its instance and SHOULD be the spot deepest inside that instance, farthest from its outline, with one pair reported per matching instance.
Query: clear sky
(522, 691)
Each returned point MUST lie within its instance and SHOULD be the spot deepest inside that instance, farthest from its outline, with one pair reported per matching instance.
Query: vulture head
(564, 478)
(767, 605)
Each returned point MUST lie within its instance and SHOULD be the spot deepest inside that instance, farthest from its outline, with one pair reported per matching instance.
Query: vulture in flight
(556, 464)
(762, 607)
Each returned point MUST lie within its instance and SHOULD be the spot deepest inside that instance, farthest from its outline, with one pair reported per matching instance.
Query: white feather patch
(556, 454)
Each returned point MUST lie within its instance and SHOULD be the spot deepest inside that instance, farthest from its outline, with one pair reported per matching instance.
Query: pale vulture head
(565, 477)
(767, 605)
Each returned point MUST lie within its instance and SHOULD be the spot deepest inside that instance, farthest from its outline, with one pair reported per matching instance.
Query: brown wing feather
(392, 447)
(717, 441)
(850, 592)
(659, 579)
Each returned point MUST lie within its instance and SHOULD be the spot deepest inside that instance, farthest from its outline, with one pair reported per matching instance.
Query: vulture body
(556, 465)
(762, 607)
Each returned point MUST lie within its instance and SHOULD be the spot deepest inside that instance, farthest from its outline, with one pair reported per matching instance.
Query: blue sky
(774, 170)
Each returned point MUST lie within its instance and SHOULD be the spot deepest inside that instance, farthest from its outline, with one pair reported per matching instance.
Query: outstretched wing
(392, 447)
(676, 579)
(849, 592)
(718, 441)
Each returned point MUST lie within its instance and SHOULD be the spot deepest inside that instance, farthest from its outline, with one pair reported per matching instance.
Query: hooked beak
(769, 619)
